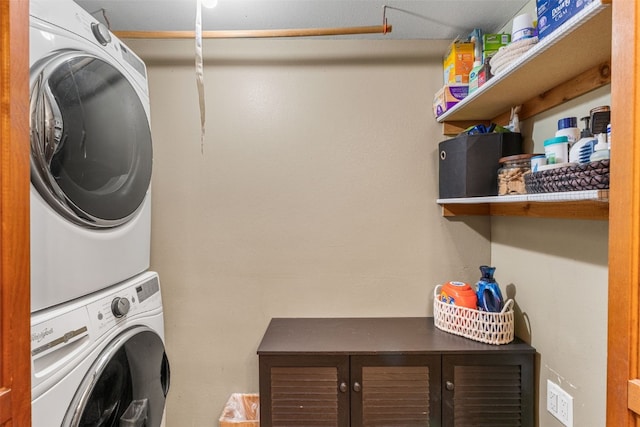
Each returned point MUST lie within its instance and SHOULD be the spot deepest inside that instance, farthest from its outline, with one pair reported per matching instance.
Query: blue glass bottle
(488, 291)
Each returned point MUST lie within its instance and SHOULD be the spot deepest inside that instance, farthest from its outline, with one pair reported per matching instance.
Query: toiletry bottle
(601, 149)
(488, 291)
(522, 27)
(474, 84)
(568, 127)
(578, 150)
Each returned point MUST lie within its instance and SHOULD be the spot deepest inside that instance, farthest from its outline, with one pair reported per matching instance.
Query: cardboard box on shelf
(553, 13)
(448, 96)
(458, 62)
(495, 41)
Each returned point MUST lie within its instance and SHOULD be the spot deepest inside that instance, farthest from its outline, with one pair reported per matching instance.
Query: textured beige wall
(315, 196)
(557, 270)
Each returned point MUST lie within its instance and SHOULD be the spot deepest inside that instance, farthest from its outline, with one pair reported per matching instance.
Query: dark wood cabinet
(488, 390)
(390, 372)
(395, 389)
(304, 390)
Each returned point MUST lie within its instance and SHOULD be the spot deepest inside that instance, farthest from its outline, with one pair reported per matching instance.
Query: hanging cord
(200, 71)
(385, 28)
(446, 24)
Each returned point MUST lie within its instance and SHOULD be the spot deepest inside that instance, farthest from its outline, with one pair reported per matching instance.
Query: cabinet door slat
(304, 396)
(487, 396)
(395, 396)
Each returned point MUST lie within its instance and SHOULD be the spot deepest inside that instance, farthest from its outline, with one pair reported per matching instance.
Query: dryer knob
(120, 306)
(101, 33)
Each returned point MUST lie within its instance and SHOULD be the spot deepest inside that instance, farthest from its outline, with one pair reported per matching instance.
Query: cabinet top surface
(369, 336)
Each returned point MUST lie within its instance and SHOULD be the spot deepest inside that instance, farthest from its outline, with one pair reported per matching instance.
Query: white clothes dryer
(100, 360)
(91, 156)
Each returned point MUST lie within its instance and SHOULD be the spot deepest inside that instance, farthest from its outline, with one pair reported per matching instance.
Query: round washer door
(127, 385)
(91, 151)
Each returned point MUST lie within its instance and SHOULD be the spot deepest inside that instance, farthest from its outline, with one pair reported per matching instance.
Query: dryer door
(91, 152)
(128, 383)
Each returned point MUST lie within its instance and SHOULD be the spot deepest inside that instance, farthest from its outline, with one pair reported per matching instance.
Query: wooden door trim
(624, 220)
(15, 366)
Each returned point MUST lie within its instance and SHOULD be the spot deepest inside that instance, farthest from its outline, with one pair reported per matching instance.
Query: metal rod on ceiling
(226, 34)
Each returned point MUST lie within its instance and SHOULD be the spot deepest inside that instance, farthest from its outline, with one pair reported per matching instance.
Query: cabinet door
(395, 390)
(485, 390)
(304, 391)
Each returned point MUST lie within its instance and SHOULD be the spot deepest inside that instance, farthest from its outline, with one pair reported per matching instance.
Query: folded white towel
(509, 53)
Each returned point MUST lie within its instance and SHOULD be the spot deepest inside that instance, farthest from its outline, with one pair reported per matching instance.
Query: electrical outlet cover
(559, 404)
(552, 399)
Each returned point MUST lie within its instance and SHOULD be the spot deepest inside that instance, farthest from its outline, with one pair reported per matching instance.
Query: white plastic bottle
(579, 153)
(568, 127)
(601, 149)
(473, 76)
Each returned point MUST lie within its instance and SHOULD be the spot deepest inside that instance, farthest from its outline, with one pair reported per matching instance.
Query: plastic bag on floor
(241, 410)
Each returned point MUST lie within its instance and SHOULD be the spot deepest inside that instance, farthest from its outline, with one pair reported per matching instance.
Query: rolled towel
(507, 54)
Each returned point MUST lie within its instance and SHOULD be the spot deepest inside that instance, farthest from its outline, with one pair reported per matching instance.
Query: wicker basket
(483, 326)
(587, 176)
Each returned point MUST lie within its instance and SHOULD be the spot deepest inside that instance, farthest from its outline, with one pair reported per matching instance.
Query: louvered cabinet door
(395, 391)
(482, 390)
(304, 391)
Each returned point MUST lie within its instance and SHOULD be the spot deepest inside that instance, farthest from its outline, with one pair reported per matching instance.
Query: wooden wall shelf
(572, 61)
(581, 44)
(591, 204)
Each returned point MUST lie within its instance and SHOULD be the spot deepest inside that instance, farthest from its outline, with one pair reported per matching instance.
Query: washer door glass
(127, 385)
(91, 152)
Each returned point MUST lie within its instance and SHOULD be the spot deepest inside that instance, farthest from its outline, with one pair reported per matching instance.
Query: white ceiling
(410, 19)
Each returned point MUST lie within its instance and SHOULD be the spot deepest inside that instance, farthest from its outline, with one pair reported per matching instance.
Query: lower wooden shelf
(589, 204)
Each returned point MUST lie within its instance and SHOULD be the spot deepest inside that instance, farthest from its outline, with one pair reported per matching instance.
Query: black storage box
(468, 165)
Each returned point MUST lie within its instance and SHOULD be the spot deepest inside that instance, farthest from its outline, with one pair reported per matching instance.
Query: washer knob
(101, 33)
(120, 306)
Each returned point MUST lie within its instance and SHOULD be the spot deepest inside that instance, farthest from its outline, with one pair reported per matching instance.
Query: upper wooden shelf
(580, 44)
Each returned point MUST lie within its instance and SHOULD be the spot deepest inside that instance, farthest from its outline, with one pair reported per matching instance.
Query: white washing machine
(100, 360)
(91, 156)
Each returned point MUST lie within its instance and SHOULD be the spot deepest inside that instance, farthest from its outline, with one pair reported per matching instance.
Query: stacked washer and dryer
(97, 327)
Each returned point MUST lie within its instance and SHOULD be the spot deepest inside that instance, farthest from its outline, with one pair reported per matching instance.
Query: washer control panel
(101, 33)
(64, 333)
(120, 306)
(123, 303)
